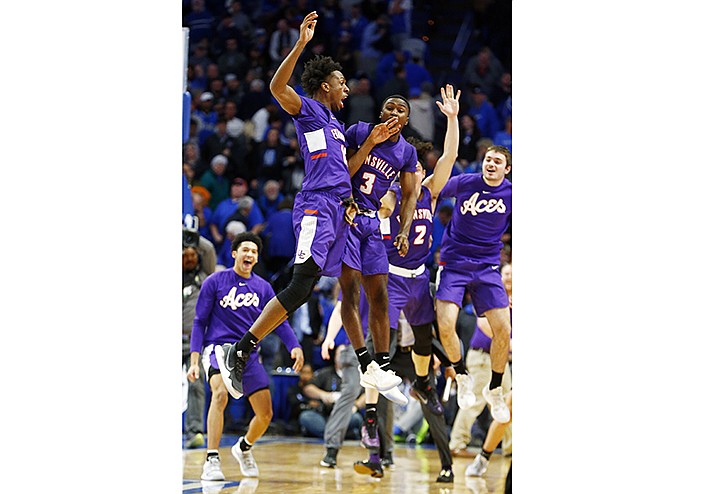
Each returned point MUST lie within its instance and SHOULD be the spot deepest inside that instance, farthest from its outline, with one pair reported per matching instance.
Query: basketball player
(470, 259)
(408, 284)
(228, 302)
(323, 207)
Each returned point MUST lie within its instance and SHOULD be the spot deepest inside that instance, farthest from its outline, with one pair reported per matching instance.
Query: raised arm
(286, 95)
(450, 107)
(380, 133)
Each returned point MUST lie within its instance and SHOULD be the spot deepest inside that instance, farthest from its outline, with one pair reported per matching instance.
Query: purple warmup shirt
(228, 305)
(322, 145)
(420, 231)
(382, 166)
(480, 217)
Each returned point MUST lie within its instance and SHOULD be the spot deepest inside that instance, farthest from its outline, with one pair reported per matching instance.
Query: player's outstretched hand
(307, 28)
(297, 355)
(451, 101)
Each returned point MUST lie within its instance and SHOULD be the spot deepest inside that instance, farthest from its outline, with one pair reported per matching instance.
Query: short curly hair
(422, 147)
(316, 71)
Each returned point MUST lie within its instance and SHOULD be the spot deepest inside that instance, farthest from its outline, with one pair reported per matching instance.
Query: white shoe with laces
(465, 394)
(212, 470)
(248, 467)
(496, 401)
(477, 467)
(375, 377)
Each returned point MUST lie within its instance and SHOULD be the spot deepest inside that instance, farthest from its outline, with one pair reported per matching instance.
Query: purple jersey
(420, 230)
(322, 145)
(480, 217)
(382, 166)
(228, 305)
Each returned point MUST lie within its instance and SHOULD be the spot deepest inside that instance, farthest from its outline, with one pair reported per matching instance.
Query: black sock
(459, 367)
(248, 343)
(211, 453)
(423, 381)
(244, 445)
(383, 360)
(371, 412)
(363, 357)
(486, 454)
(495, 380)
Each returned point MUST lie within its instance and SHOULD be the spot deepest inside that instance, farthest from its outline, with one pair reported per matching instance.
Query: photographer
(198, 262)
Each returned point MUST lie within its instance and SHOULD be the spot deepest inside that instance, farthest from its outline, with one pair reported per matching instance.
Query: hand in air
(307, 28)
(451, 101)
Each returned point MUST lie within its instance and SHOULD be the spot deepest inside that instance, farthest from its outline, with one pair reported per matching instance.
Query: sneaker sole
(224, 373)
(365, 470)
(237, 454)
(220, 479)
(396, 397)
(326, 465)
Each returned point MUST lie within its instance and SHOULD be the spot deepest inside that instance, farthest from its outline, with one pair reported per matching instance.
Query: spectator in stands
(268, 158)
(240, 20)
(205, 116)
(201, 199)
(484, 70)
(254, 99)
(422, 108)
(225, 209)
(483, 112)
(469, 138)
(232, 61)
(200, 21)
(282, 40)
(504, 137)
(269, 201)
(215, 181)
(233, 90)
(360, 103)
(400, 12)
(279, 236)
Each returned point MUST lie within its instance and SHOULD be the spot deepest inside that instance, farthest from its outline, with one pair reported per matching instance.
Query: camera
(190, 234)
(190, 238)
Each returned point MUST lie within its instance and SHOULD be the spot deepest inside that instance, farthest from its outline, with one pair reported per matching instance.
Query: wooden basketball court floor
(290, 465)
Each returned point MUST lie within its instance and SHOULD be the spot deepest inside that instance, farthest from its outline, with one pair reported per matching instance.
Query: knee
(220, 397)
(264, 415)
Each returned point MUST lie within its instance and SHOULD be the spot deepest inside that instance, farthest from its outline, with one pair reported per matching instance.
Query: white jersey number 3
(369, 178)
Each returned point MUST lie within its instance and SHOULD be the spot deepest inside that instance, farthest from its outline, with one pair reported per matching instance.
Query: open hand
(307, 28)
(451, 104)
(297, 355)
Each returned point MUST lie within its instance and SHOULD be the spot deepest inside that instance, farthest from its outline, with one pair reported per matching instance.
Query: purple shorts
(411, 295)
(365, 250)
(254, 376)
(483, 284)
(320, 231)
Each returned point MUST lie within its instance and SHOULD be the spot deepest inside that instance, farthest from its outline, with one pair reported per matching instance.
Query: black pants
(402, 364)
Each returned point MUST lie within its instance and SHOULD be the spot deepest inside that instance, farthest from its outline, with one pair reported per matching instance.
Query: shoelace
(214, 462)
(248, 460)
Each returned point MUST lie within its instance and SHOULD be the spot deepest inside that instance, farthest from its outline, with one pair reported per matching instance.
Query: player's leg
(449, 297)
(495, 433)
(478, 366)
(215, 423)
(257, 386)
